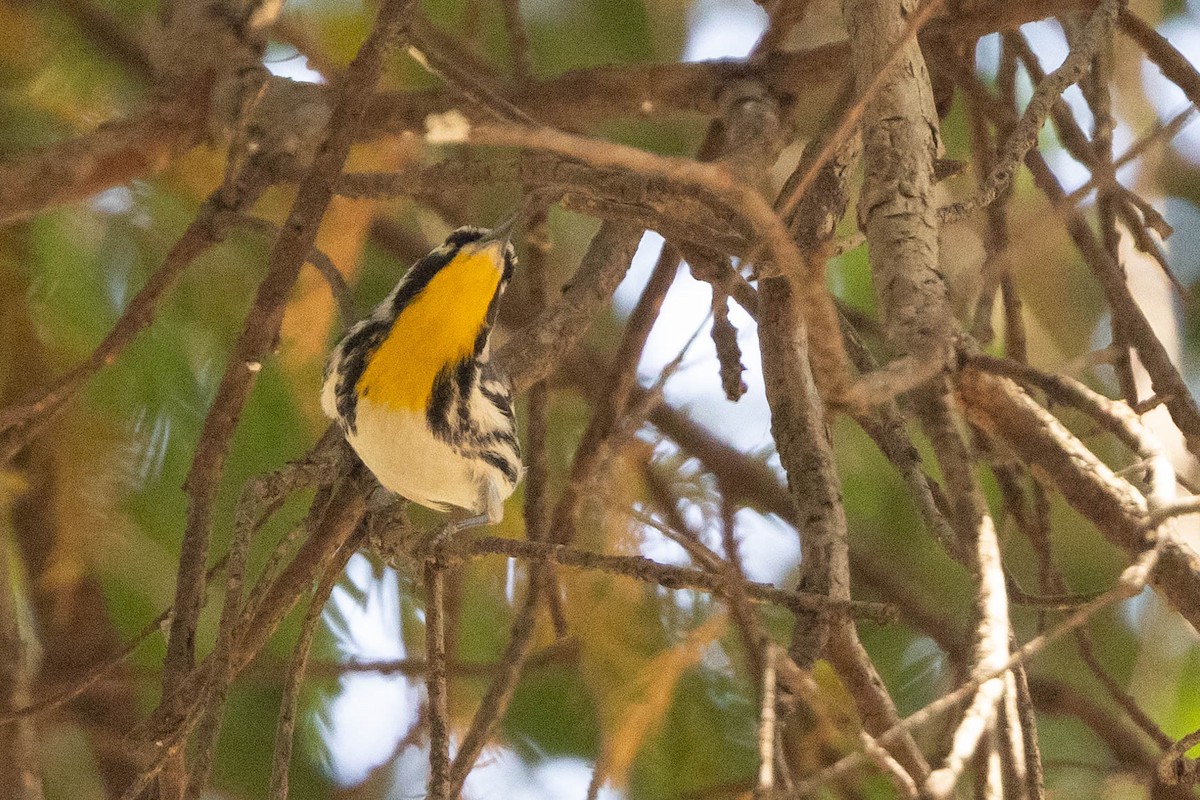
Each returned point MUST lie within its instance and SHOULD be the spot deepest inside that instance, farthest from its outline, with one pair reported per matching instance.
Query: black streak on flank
(439, 404)
(481, 339)
(501, 463)
(356, 352)
(501, 400)
(501, 437)
(464, 379)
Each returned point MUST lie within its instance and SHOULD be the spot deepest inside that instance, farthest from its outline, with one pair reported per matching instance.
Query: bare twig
(321, 262)
(518, 40)
(1175, 768)
(1089, 486)
(98, 672)
(644, 569)
(1174, 65)
(435, 680)
(899, 50)
(1122, 698)
(20, 424)
(903, 783)
(1093, 36)
(435, 54)
(261, 326)
(1132, 580)
(531, 357)
(766, 729)
(1164, 376)
(285, 726)
(216, 691)
(20, 773)
(499, 693)
(991, 654)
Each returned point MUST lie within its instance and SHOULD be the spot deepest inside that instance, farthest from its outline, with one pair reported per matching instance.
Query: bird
(413, 388)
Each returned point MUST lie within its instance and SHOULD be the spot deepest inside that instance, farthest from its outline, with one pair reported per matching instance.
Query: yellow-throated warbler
(413, 390)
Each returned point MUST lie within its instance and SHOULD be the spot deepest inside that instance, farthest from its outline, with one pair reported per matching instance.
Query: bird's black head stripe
(465, 235)
(419, 276)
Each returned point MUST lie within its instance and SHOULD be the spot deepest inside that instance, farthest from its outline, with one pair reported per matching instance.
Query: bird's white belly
(398, 447)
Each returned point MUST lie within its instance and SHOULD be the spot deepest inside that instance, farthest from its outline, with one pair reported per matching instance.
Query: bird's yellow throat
(438, 327)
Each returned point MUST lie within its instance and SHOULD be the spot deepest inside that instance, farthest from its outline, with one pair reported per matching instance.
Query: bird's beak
(503, 230)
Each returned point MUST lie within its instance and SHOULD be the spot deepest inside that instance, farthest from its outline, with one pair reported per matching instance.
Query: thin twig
(1175, 768)
(321, 262)
(18, 425)
(1094, 35)
(644, 569)
(435, 680)
(1083, 644)
(221, 676)
(1132, 580)
(841, 134)
(98, 672)
(766, 730)
(285, 726)
(518, 40)
(257, 338)
(499, 693)
(902, 782)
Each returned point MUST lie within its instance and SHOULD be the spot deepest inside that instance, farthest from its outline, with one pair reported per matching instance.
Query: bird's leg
(469, 522)
(493, 512)
(491, 504)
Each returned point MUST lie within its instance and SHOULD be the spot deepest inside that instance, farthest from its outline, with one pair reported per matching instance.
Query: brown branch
(518, 40)
(1175, 768)
(1126, 701)
(740, 198)
(582, 98)
(1127, 747)
(19, 424)
(679, 213)
(536, 506)
(444, 57)
(533, 354)
(898, 50)
(1111, 504)
(1093, 36)
(113, 154)
(798, 420)
(20, 773)
(900, 139)
(1115, 416)
(669, 577)
(1164, 376)
(1132, 581)
(261, 328)
(1174, 65)
(285, 726)
(499, 693)
(108, 34)
(435, 680)
(601, 435)
(119, 152)
(217, 689)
